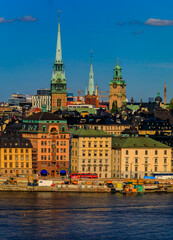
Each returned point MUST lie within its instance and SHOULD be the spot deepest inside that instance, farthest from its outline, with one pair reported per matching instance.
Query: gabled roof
(136, 142)
(89, 133)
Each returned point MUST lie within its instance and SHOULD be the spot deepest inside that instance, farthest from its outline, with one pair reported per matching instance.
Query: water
(85, 216)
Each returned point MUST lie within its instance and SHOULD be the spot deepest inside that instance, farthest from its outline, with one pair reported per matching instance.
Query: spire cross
(117, 61)
(91, 56)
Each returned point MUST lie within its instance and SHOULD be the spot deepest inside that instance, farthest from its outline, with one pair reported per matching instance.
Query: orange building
(49, 136)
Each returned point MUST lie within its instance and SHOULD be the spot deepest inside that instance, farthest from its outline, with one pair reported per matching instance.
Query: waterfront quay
(124, 186)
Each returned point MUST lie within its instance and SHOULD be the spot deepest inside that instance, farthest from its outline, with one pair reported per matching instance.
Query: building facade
(15, 155)
(42, 98)
(91, 152)
(58, 80)
(49, 136)
(117, 92)
(136, 157)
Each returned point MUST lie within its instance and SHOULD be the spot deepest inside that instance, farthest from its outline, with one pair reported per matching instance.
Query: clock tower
(58, 80)
(117, 92)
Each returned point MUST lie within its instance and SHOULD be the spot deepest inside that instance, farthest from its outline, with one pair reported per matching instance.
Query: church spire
(58, 48)
(91, 78)
(165, 94)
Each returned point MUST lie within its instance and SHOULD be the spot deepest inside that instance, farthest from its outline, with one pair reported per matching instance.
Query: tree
(114, 107)
(171, 104)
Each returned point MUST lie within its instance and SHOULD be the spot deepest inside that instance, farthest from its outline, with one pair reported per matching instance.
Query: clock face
(59, 80)
(114, 85)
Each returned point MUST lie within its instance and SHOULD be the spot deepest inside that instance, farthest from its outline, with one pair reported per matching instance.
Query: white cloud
(158, 22)
(3, 20)
(27, 19)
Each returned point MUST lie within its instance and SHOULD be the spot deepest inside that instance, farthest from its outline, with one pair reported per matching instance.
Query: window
(57, 157)
(126, 169)
(10, 150)
(95, 153)
(16, 150)
(146, 152)
(16, 157)
(136, 169)
(155, 169)
(57, 143)
(27, 157)
(146, 169)
(165, 168)
(22, 164)
(156, 160)
(101, 144)
(165, 152)
(16, 165)
(127, 152)
(5, 157)
(156, 152)
(58, 102)
(89, 144)
(41, 142)
(83, 169)
(136, 152)
(165, 160)
(146, 160)
(106, 153)
(106, 144)
(5, 164)
(127, 160)
(100, 168)
(26, 150)
(95, 144)
(5, 150)
(83, 161)
(21, 157)
(136, 160)
(10, 157)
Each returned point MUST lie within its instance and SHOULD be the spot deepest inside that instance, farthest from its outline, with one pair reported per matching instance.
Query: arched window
(53, 129)
(59, 102)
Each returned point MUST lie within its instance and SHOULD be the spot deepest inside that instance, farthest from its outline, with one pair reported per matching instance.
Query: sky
(138, 32)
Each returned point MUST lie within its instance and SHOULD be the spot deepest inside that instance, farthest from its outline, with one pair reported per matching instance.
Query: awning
(63, 172)
(44, 172)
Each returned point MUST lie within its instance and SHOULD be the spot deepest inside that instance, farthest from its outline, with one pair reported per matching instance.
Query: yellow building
(15, 156)
(136, 157)
(91, 152)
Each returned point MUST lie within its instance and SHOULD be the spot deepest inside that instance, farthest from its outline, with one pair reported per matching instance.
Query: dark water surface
(85, 216)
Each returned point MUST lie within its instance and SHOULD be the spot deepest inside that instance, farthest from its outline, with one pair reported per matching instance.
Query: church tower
(91, 96)
(58, 80)
(117, 92)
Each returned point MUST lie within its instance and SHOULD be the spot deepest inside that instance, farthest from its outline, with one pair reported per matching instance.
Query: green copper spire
(58, 48)
(117, 71)
(91, 78)
(58, 80)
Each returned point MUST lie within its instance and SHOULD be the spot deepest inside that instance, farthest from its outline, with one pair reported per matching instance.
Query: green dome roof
(117, 67)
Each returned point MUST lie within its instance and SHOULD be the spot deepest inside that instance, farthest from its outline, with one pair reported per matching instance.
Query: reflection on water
(85, 216)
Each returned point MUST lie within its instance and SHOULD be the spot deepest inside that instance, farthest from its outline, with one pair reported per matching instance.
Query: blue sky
(128, 29)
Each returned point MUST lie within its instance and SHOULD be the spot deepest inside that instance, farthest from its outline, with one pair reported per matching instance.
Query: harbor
(123, 186)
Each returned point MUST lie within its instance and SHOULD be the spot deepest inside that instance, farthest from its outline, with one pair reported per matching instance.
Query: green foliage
(171, 104)
(114, 107)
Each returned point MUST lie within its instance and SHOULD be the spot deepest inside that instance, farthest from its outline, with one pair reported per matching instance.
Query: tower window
(58, 102)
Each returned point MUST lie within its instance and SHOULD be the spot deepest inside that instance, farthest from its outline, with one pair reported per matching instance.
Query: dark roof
(12, 142)
(41, 116)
